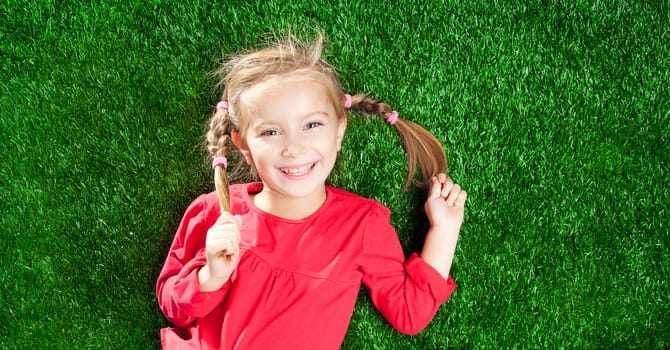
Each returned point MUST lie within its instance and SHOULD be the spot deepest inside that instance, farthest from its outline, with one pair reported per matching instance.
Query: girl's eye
(269, 133)
(312, 125)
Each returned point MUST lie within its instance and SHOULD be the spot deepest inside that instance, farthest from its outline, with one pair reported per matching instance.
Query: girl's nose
(294, 146)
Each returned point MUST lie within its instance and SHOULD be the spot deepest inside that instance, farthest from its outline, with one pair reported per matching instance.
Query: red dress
(297, 281)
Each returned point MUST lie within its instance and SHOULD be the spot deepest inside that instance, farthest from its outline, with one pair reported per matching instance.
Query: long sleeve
(178, 288)
(408, 293)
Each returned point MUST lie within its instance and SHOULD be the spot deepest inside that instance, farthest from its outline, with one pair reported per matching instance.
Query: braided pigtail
(422, 148)
(218, 144)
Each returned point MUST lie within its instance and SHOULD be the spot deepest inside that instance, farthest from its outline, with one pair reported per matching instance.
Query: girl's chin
(304, 192)
(298, 190)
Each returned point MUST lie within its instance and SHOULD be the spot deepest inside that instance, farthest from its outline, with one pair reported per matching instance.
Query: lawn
(555, 118)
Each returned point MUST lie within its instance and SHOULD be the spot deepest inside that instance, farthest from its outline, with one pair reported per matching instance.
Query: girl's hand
(222, 248)
(445, 204)
(444, 208)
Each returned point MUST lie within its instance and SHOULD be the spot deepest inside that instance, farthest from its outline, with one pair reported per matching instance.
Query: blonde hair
(295, 60)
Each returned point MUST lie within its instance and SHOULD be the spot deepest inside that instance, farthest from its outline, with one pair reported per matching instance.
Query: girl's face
(292, 138)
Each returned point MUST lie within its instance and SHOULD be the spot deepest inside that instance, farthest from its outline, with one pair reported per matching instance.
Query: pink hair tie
(392, 118)
(347, 101)
(222, 105)
(220, 161)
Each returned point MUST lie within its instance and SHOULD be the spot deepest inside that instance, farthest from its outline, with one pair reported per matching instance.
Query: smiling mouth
(297, 171)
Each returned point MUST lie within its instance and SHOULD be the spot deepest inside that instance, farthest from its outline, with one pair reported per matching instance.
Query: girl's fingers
(453, 193)
(226, 218)
(226, 231)
(231, 247)
(460, 200)
(224, 235)
(435, 188)
(225, 246)
(447, 187)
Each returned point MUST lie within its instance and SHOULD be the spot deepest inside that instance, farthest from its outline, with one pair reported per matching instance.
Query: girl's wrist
(444, 228)
(443, 239)
(209, 283)
(439, 250)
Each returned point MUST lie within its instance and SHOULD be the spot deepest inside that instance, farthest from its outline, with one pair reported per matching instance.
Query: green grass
(555, 117)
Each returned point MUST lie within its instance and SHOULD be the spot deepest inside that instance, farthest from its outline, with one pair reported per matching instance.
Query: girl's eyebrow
(317, 113)
(308, 115)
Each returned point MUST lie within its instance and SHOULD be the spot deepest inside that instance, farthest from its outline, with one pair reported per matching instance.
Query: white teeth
(297, 171)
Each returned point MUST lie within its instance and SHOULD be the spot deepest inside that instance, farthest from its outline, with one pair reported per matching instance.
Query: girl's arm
(178, 289)
(445, 210)
(407, 292)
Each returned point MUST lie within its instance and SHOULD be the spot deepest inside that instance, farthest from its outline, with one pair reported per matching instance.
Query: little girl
(278, 264)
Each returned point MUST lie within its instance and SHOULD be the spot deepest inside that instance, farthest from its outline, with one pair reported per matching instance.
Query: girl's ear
(341, 128)
(242, 146)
